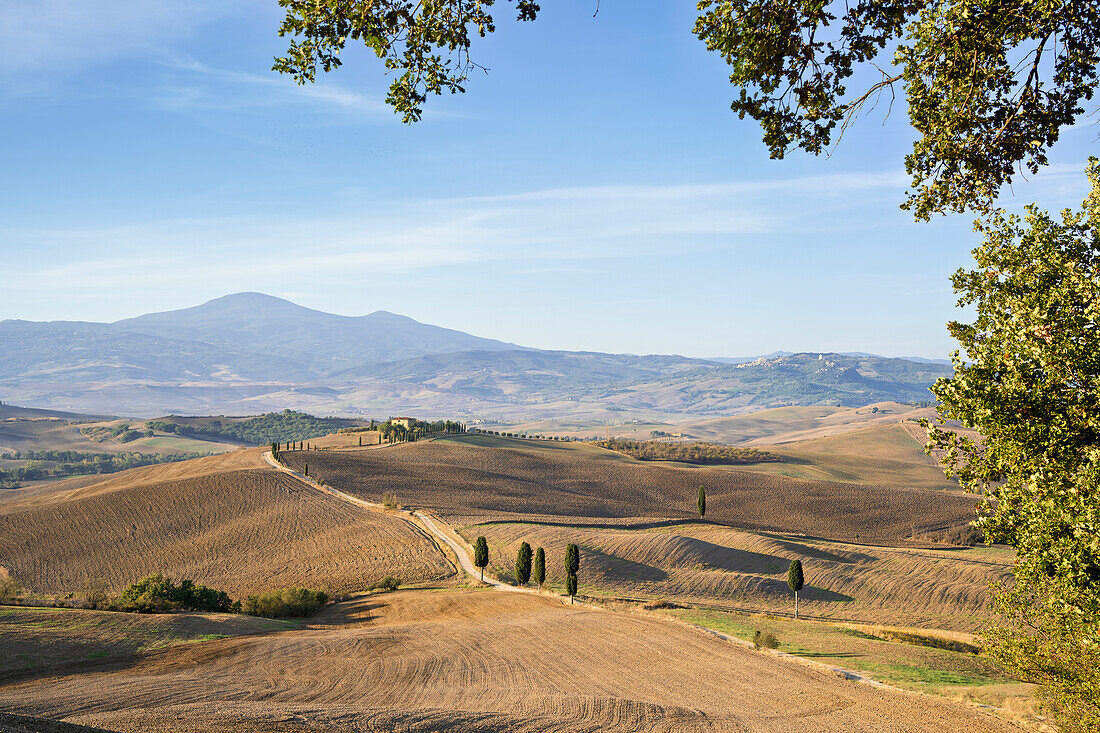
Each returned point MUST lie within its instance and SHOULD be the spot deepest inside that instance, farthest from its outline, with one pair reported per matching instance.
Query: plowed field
(229, 522)
(708, 564)
(476, 478)
(479, 660)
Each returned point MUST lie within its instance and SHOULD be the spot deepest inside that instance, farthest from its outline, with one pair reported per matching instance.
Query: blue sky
(593, 191)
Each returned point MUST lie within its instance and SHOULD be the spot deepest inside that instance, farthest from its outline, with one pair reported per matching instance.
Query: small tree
(481, 555)
(701, 502)
(523, 564)
(275, 451)
(305, 470)
(795, 581)
(539, 572)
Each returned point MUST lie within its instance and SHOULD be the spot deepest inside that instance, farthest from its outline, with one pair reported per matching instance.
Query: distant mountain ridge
(251, 352)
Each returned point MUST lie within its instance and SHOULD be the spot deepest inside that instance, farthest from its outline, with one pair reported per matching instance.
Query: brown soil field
(228, 521)
(479, 660)
(470, 479)
(39, 641)
(891, 455)
(714, 565)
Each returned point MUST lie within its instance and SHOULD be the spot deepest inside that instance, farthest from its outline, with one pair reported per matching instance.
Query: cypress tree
(538, 574)
(481, 555)
(275, 451)
(523, 564)
(572, 559)
(572, 565)
(360, 441)
(306, 470)
(795, 581)
(701, 502)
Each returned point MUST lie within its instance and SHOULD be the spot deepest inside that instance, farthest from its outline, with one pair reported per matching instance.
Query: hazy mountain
(249, 352)
(322, 342)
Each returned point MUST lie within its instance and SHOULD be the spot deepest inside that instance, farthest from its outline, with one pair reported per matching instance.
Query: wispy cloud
(59, 35)
(578, 229)
(195, 86)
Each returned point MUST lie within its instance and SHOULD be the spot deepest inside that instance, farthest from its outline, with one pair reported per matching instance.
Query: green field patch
(908, 664)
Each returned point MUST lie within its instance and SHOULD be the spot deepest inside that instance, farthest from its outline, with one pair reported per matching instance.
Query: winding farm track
(424, 521)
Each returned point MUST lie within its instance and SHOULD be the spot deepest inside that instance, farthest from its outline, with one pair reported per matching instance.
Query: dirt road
(425, 522)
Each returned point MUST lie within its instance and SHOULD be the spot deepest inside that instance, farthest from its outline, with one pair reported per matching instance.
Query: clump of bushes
(764, 640)
(700, 453)
(158, 594)
(297, 602)
(387, 583)
(660, 604)
(389, 501)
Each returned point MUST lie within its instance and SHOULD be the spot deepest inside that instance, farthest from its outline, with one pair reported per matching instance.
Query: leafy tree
(523, 564)
(481, 555)
(571, 586)
(795, 581)
(701, 502)
(1032, 390)
(539, 572)
(988, 86)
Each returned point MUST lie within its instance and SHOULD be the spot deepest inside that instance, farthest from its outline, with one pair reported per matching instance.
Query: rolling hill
(228, 521)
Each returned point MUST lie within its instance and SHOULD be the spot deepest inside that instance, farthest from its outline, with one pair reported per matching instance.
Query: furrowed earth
(443, 655)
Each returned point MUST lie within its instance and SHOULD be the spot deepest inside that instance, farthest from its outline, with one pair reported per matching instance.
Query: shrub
(128, 435)
(296, 602)
(387, 583)
(764, 640)
(9, 586)
(389, 501)
(158, 594)
(94, 593)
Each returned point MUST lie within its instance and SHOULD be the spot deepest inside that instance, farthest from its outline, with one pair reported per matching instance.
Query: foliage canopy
(989, 85)
(1031, 389)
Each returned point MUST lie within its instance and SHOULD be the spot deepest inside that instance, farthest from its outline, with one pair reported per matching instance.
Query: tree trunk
(796, 604)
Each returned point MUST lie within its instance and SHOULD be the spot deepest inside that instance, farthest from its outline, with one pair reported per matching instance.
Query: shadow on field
(731, 559)
(582, 524)
(807, 550)
(620, 568)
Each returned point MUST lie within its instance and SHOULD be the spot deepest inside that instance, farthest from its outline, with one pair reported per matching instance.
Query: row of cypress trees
(532, 566)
